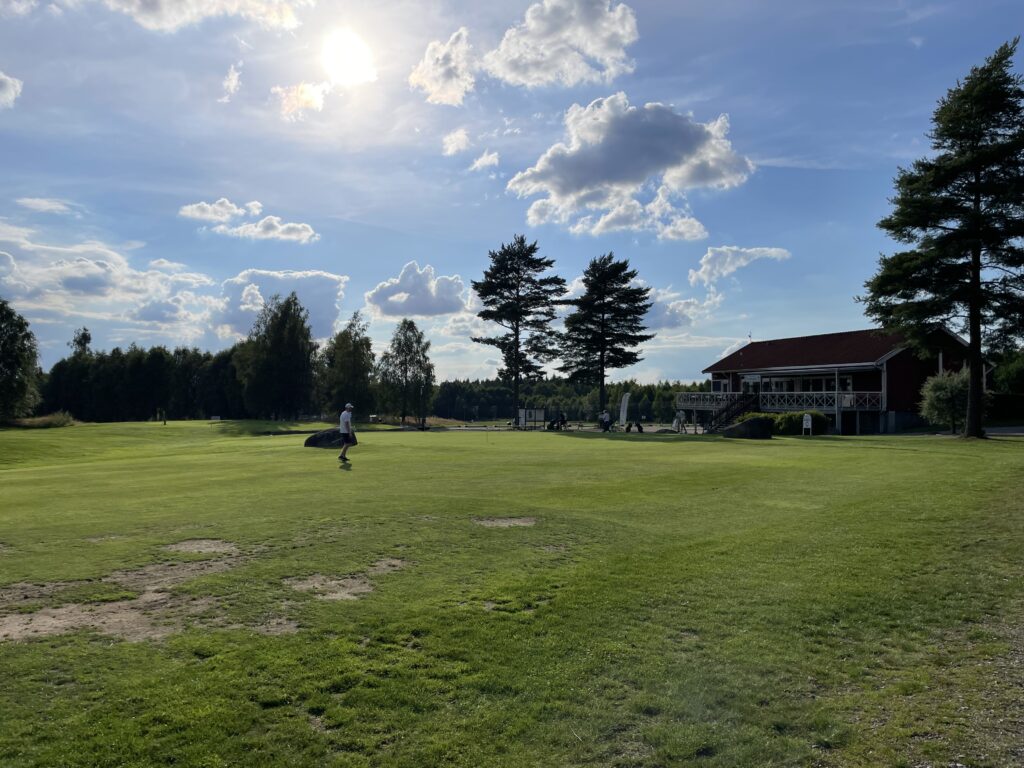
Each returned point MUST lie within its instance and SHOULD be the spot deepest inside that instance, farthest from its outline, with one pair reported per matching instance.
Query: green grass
(679, 601)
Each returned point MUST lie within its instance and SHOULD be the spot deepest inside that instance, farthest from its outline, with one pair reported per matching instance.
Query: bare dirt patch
(333, 587)
(14, 594)
(277, 626)
(387, 565)
(101, 539)
(504, 522)
(164, 575)
(151, 616)
(204, 547)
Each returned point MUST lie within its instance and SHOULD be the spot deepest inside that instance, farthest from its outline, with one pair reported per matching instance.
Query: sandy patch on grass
(277, 626)
(504, 522)
(387, 565)
(332, 587)
(101, 539)
(13, 594)
(151, 616)
(163, 575)
(204, 547)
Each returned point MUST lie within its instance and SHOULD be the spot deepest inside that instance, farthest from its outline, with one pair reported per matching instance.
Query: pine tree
(962, 211)
(517, 297)
(606, 326)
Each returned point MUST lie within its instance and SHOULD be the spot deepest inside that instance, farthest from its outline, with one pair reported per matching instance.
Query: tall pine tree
(962, 212)
(606, 325)
(518, 297)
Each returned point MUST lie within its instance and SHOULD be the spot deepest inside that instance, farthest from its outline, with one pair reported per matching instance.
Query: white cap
(349, 405)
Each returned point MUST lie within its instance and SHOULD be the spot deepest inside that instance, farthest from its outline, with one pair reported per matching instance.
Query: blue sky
(167, 165)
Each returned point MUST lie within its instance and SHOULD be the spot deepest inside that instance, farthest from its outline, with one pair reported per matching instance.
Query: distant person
(605, 421)
(348, 434)
(639, 427)
(562, 421)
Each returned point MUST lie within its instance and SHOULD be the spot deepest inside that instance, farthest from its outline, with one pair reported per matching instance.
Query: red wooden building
(864, 381)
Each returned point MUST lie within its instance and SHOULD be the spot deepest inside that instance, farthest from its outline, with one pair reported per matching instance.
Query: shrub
(58, 419)
(944, 398)
(791, 423)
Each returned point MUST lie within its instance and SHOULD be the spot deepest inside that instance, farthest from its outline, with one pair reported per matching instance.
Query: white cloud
(170, 15)
(270, 228)
(613, 152)
(254, 207)
(44, 204)
(10, 90)
(296, 99)
(455, 142)
(721, 262)
(321, 294)
(220, 211)
(567, 42)
(16, 7)
(167, 266)
(231, 83)
(486, 160)
(445, 73)
(670, 310)
(418, 292)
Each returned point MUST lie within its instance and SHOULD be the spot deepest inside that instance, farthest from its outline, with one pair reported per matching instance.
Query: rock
(328, 438)
(759, 428)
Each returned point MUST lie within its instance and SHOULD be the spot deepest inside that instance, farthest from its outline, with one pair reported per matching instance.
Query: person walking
(348, 434)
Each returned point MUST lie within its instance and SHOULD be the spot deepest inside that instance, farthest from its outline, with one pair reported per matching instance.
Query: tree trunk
(602, 397)
(976, 375)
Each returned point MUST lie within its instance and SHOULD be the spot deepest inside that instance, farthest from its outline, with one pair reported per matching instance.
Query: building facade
(866, 382)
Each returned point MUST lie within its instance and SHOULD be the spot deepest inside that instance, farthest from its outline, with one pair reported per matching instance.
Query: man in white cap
(348, 435)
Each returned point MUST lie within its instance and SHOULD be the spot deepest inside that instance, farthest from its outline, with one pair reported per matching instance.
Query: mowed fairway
(655, 601)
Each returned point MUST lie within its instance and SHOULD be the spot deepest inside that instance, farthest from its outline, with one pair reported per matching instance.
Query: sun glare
(347, 59)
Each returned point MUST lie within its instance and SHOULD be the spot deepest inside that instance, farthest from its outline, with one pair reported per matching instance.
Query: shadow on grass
(250, 428)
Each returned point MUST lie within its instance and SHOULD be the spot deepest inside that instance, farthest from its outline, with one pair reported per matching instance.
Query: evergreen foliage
(18, 365)
(275, 365)
(518, 297)
(962, 212)
(606, 326)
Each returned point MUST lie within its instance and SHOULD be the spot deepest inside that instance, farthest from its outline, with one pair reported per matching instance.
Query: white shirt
(346, 422)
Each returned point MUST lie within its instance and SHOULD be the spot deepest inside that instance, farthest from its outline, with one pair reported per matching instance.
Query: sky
(166, 166)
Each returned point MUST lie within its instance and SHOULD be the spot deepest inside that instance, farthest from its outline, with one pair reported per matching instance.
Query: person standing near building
(348, 434)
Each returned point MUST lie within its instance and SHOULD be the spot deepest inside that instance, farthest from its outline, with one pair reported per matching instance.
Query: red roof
(825, 350)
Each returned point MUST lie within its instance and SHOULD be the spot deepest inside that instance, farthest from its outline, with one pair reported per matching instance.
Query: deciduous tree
(405, 372)
(18, 364)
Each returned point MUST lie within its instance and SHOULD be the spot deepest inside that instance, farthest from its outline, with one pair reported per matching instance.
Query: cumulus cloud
(10, 90)
(567, 42)
(294, 100)
(593, 181)
(223, 211)
(455, 142)
(270, 228)
(168, 266)
(445, 73)
(220, 211)
(418, 292)
(44, 204)
(486, 160)
(721, 262)
(321, 293)
(231, 83)
(170, 15)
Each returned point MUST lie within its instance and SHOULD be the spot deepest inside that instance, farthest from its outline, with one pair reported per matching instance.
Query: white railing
(820, 401)
(705, 401)
(783, 401)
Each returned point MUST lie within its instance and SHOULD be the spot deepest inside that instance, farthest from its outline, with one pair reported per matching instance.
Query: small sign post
(808, 429)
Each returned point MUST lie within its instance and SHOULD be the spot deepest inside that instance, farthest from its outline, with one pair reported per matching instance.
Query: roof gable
(825, 350)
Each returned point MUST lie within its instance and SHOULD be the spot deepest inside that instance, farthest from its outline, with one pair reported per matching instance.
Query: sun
(347, 59)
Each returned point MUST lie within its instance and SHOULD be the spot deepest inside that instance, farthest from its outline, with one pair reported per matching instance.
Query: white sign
(807, 424)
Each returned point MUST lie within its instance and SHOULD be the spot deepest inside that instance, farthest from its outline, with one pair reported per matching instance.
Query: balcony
(785, 401)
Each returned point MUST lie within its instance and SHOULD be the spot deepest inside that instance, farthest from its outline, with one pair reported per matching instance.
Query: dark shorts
(347, 438)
